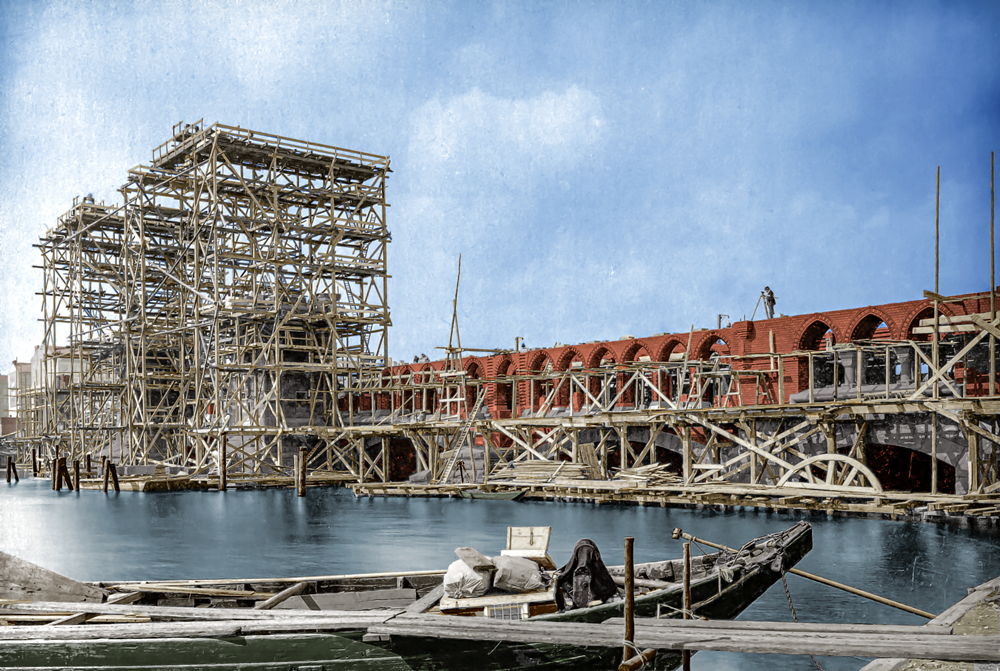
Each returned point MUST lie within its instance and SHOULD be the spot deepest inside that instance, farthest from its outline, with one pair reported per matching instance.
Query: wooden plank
(239, 581)
(426, 601)
(475, 559)
(216, 629)
(124, 597)
(950, 328)
(185, 613)
(794, 627)
(281, 596)
(24, 580)
(351, 601)
(202, 591)
(937, 646)
(75, 618)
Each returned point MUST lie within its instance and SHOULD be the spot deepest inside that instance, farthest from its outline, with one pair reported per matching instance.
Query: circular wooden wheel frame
(842, 474)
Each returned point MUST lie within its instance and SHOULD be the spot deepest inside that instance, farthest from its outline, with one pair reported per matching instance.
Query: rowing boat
(364, 621)
(514, 495)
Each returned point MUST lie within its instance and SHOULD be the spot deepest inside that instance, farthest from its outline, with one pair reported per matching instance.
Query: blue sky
(604, 168)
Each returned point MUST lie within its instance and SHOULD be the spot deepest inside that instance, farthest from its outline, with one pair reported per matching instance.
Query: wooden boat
(335, 622)
(492, 496)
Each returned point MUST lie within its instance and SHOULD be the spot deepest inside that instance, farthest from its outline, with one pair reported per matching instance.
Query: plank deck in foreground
(721, 636)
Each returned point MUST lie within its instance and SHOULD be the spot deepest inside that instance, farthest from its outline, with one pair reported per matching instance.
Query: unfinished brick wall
(789, 334)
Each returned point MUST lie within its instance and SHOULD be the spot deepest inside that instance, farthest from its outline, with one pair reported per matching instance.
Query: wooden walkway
(980, 509)
(724, 636)
(896, 641)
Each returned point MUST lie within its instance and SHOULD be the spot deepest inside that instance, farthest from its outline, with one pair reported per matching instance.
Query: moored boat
(211, 624)
(506, 495)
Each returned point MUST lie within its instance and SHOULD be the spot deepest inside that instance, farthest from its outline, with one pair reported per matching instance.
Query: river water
(272, 533)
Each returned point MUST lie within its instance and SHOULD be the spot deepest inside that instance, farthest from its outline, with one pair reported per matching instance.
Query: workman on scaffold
(769, 302)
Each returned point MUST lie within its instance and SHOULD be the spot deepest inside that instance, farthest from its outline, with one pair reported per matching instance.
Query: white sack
(462, 582)
(516, 574)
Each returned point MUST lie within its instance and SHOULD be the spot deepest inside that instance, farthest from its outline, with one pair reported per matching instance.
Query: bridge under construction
(227, 325)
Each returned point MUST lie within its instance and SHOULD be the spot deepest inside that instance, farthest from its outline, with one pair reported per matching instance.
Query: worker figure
(769, 302)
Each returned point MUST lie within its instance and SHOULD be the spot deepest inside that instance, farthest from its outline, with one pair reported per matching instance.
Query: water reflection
(259, 534)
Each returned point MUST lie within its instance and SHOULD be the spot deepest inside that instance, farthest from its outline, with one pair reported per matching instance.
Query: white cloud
(477, 131)
(476, 166)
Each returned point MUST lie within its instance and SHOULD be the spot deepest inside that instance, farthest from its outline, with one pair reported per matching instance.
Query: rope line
(795, 617)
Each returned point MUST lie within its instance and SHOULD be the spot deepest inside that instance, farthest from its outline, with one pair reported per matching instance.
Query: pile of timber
(544, 471)
(649, 476)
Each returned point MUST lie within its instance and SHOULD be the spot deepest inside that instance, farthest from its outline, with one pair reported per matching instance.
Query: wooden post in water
(114, 475)
(56, 475)
(222, 463)
(54, 472)
(629, 601)
(686, 654)
(88, 464)
(107, 474)
(76, 474)
(34, 462)
(65, 474)
(302, 471)
(9, 462)
(12, 468)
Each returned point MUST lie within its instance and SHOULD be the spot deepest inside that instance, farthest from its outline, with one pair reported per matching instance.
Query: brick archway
(867, 321)
(632, 353)
(812, 336)
(665, 350)
(712, 343)
(502, 397)
(540, 362)
(925, 311)
(567, 358)
(599, 354)
(473, 369)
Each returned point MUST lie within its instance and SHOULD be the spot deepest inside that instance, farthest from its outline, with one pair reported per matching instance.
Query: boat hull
(492, 496)
(712, 597)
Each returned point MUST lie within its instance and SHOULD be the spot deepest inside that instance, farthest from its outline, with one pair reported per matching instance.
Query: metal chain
(795, 617)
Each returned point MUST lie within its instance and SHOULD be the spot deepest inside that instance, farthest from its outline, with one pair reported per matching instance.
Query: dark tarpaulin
(585, 576)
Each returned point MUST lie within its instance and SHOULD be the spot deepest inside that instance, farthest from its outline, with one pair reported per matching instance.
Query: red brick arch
(501, 398)
(663, 353)
(566, 358)
(601, 352)
(810, 337)
(474, 367)
(708, 344)
(632, 352)
(537, 361)
(504, 364)
(866, 321)
(916, 314)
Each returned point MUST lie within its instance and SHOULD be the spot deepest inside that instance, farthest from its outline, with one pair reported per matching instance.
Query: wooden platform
(149, 483)
(724, 636)
(981, 509)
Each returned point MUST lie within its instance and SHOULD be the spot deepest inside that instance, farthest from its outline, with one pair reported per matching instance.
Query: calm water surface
(273, 533)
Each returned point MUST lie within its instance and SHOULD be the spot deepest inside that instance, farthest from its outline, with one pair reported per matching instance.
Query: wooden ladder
(459, 441)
